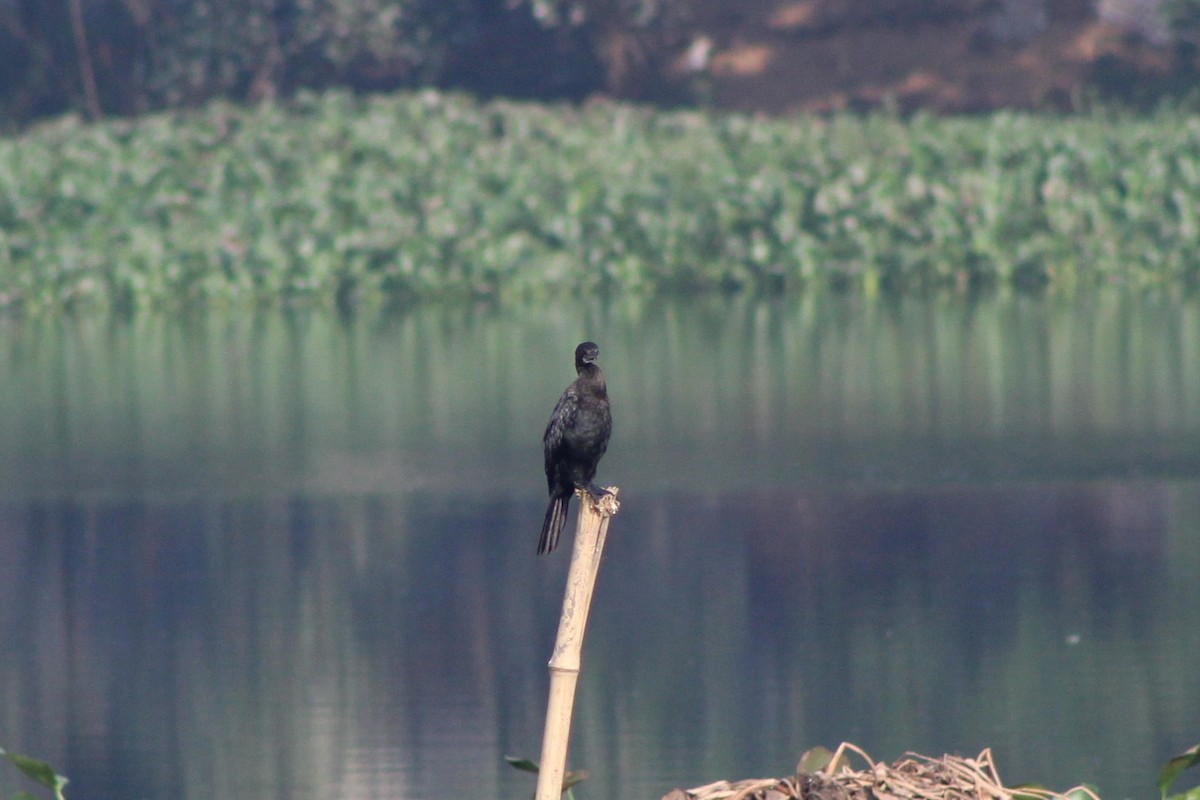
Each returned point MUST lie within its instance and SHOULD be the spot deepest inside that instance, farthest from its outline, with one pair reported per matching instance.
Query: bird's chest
(591, 423)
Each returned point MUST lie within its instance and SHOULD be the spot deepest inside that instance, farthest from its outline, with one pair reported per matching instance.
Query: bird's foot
(598, 493)
(604, 500)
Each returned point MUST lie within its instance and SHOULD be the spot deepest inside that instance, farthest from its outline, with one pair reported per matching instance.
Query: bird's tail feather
(556, 520)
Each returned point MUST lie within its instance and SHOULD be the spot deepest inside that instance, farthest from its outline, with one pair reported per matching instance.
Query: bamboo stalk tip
(608, 504)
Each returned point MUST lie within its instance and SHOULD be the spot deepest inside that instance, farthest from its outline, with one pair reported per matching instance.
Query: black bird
(575, 439)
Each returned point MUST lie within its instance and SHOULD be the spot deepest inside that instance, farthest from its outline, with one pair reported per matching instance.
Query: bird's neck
(591, 374)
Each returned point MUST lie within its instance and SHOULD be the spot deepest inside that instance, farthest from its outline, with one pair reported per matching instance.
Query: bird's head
(586, 353)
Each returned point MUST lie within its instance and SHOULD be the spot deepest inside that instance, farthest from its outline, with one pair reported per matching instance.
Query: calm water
(291, 555)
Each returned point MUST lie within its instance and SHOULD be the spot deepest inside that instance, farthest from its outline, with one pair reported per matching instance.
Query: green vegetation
(428, 195)
(1170, 771)
(38, 771)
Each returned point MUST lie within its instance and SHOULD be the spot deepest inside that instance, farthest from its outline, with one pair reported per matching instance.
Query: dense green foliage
(428, 195)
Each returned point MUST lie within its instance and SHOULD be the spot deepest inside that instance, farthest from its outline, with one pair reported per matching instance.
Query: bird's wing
(562, 420)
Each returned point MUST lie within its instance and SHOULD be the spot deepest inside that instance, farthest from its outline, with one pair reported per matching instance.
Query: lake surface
(291, 554)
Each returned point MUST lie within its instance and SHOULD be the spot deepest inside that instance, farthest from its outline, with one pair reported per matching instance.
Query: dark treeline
(104, 57)
(122, 57)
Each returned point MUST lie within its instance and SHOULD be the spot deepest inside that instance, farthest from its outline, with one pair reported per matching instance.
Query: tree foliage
(129, 56)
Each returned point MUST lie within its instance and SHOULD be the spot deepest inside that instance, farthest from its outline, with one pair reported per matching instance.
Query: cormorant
(575, 439)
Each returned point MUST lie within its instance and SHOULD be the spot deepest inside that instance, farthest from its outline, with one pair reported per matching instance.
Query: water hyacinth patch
(430, 195)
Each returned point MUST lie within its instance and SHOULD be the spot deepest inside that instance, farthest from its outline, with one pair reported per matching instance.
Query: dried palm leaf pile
(824, 776)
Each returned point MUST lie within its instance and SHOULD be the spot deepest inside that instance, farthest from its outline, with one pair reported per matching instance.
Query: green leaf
(814, 760)
(39, 771)
(522, 764)
(1190, 794)
(569, 780)
(23, 795)
(1171, 770)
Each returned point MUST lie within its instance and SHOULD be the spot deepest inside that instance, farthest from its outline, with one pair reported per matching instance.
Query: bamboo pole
(590, 532)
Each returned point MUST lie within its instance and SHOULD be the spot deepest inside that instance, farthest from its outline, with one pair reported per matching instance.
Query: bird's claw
(604, 500)
(598, 493)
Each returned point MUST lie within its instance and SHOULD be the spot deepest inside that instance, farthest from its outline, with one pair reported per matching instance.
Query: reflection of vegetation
(334, 642)
(428, 195)
(922, 633)
(816, 388)
(290, 521)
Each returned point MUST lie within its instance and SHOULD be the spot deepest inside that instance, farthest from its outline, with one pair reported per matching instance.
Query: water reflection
(711, 392)
(292, 555)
